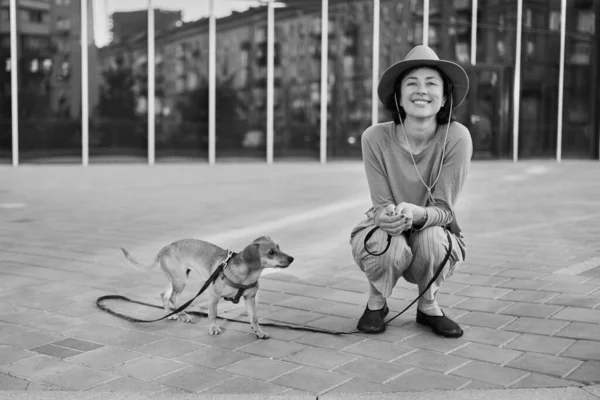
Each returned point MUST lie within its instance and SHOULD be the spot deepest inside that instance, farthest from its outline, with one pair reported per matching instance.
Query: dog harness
(240, 288)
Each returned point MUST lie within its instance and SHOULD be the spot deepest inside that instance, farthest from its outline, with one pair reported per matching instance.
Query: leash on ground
(101, 300)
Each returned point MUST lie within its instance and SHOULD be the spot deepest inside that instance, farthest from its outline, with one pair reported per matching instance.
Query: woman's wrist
(419, 215)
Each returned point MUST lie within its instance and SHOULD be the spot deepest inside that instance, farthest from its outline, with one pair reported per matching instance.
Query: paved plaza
(528, 297)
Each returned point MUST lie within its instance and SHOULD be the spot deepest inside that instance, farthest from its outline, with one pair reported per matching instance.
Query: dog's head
(263, 252)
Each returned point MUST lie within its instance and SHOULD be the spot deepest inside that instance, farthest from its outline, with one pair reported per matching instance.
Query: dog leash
(101, 300)
(211, 279)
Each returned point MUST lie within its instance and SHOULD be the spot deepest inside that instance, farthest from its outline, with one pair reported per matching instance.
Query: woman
(416, 167)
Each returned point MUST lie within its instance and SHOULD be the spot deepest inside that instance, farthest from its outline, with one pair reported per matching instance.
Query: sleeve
(456, 165)
(379, 187)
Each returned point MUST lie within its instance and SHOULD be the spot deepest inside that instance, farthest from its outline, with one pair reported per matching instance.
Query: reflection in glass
(241, 74)
(118, 128)
(181, 81)
(579, 135)
(5, 87)
(540, 58)
(350, 64)
(297, 83)
(49, 81)
(400, 29)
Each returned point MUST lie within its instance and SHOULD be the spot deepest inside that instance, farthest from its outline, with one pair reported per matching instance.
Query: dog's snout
(290, 259)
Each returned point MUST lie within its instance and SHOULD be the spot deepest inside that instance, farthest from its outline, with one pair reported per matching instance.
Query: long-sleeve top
(392, 177)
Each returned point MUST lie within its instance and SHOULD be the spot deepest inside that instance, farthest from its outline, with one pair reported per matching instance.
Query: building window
(554, 24)
(35, 16)
(63, 23)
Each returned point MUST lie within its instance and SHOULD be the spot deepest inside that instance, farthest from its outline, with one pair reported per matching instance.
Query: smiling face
(422, 93)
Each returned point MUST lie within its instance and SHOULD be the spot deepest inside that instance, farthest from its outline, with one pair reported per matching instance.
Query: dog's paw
(172, 317)
(261, 334)
(183, 317)
(214, 330)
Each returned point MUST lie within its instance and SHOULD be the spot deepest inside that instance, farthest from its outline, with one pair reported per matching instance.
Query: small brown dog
(239, 277)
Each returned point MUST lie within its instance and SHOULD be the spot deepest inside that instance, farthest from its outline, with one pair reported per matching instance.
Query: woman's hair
(442, 115)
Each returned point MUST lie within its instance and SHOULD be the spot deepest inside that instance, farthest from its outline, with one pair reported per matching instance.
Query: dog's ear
(251, 255)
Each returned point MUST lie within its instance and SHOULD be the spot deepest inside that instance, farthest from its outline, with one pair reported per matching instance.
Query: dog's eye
(271, 252)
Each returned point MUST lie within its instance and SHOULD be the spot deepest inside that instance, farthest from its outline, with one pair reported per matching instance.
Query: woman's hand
(396, 219)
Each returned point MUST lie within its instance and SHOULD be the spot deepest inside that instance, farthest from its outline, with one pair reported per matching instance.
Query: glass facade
(249, 108)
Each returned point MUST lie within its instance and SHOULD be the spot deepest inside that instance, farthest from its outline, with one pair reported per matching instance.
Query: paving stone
(450, 300)
(486, 320)
(360, 386)
(484, 305)
(531, 310)
(490, 373)
(535, 325)
(524, 284)
(417, 379)
(539, 344)
(319, 358)
(36, 367)
(11, 354)
(188, 379)
(30, 338)
(573, 288)
(583, 349)
(487, 353)
(487, 336)
(372, 370)
(565, 278)
(578, 314)
(431, 360)
(79, 378)
(575, 300)
(378, 349)
(239, 385)
(230, 339)
(517, 273)
(169, 348)
(535, 380)
(76, 344)
(55, 351)
(273, 348)
(292, 316)
(260, 368)
(530, 296)
(589, 371)
(579, 330)
(595, 390)
(476, 385)
(147, 367)
(212, 357)
(8, 382)
(483, 292)
(128, 384)
(545, 364)
(482, 280)
(8, 329)
(329, 341)
(311, 380)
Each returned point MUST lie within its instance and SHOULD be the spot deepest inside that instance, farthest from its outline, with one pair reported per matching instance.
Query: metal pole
(375, 71)
(270, 77)
(14, 89)
(85, 134)
(426, 22)
(324, 76)
(212, 82)
(151, 82)
(517, 82)
(473, 32)
(561, 78)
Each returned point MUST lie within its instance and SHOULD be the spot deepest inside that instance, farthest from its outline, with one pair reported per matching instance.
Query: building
(127, 24)
(486, 49)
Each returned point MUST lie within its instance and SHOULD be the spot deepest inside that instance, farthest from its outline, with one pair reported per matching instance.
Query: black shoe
(440, 325)
(372, 320)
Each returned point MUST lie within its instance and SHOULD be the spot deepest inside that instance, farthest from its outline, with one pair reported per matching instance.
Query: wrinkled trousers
(415, 256)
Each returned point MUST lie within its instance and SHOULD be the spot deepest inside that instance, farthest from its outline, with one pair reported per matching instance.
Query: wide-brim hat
(424, 56)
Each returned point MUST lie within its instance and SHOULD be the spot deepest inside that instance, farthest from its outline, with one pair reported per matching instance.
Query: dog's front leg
(250, 301)
(213, 329)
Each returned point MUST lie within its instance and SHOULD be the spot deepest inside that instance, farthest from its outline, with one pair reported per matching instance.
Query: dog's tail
(136, 263)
